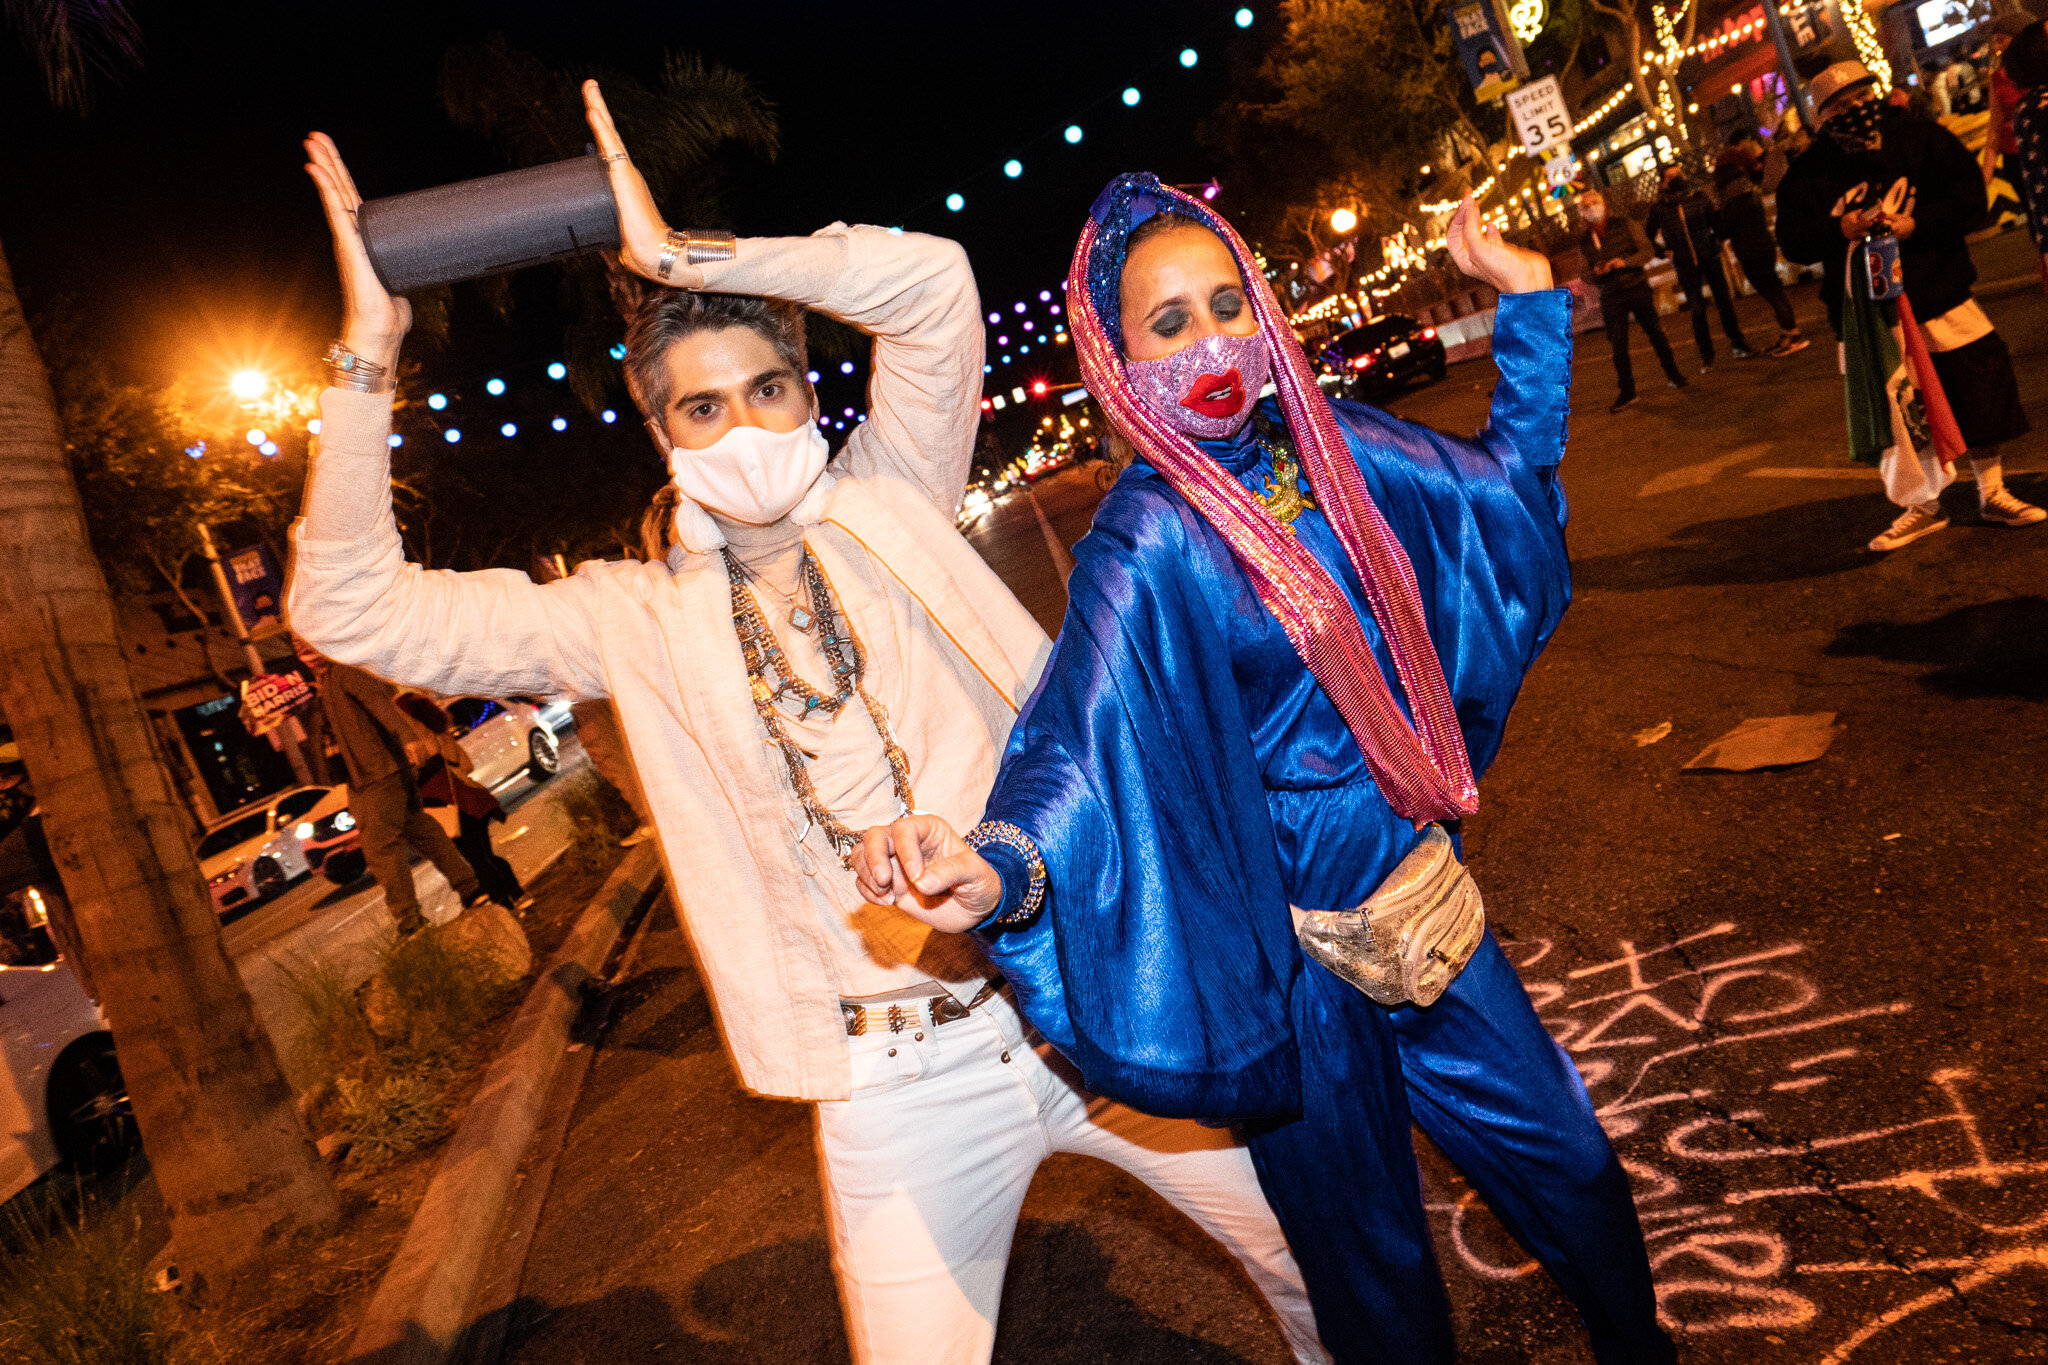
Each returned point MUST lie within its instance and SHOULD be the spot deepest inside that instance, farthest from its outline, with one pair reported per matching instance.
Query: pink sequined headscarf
(1422, 769)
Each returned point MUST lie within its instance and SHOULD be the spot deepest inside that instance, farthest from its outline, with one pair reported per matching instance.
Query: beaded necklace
(848, 662)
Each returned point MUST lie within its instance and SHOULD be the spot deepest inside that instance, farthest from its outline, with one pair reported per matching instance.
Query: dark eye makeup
(1170, 322)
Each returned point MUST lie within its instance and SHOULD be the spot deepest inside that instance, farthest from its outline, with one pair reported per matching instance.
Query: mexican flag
(1899, 418)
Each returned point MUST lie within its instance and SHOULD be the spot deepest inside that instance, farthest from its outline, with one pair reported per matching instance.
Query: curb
(421, 1307)
(2009, 284)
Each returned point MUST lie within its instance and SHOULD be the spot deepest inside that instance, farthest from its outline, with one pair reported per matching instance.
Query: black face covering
(1855, 129)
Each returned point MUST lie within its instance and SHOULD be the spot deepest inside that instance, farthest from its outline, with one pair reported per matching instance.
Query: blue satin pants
(1484, 1079)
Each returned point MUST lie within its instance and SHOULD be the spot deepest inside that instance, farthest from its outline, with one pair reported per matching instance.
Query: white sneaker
(1912, 524)
(2003, 509)
(638, 836)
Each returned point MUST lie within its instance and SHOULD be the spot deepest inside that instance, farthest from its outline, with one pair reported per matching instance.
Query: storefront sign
(1527, 17)
(1560, 168)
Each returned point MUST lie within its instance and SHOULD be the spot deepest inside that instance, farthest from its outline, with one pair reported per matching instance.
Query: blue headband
(1125, 203)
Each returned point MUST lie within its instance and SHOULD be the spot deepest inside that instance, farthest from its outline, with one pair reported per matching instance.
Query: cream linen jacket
(658, 639)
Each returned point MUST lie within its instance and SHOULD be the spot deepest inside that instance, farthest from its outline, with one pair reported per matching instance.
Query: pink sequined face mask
(1205, 391)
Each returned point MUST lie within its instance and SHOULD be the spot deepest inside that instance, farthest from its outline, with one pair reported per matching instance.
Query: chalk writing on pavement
(1718, 1067)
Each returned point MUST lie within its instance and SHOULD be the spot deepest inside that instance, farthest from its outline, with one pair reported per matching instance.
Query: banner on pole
(258, 586)
(1493, 59)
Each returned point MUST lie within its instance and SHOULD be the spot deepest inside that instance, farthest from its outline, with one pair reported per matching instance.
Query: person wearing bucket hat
(814, 646)
(1874, 169)
(1294, 635)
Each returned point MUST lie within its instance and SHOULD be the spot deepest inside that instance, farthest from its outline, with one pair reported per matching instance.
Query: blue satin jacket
(1186, 778)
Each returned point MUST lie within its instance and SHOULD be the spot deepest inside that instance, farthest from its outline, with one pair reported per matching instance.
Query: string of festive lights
(1864, 33)
(1607, 107)
(1070, 131)
(1043, 333)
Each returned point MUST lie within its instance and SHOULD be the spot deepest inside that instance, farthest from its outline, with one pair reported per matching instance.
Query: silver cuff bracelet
(695, 248)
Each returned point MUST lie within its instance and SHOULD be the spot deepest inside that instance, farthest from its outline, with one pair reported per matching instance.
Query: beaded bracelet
(1003, 832)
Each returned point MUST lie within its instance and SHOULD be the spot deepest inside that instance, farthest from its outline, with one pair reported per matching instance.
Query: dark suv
(1382, 356)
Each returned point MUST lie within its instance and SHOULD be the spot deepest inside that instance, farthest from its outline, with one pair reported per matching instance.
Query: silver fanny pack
(1412, 936)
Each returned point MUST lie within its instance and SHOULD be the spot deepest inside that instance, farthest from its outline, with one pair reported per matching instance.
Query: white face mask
(750, 474)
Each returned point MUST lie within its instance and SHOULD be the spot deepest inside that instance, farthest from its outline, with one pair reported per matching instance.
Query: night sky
(178, 214)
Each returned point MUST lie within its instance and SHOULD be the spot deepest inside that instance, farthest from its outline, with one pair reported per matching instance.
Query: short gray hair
(666, 316)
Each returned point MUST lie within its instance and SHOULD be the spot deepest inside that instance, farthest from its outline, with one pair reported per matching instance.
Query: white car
(505, 740)
(63, 1099)
(258, 852)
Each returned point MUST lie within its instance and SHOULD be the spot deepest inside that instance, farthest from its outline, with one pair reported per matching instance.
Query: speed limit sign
(1539, 114)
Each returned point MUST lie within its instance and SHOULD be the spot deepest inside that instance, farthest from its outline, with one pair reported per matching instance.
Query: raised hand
(922, 866)
(1482, 253)
(641, 229)
(374, 322)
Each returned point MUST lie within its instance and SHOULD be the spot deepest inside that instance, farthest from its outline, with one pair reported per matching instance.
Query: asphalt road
(1808, 1002)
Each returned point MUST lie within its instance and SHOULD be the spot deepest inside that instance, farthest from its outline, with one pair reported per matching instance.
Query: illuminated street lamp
(1343, 220)
(249, 384)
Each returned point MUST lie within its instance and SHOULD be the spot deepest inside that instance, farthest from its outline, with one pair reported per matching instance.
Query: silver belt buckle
(1412, 936)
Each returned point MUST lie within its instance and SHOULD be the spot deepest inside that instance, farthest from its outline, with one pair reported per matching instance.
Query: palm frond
(73, 41)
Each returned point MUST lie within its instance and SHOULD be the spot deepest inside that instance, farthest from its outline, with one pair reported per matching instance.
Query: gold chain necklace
(848, 661)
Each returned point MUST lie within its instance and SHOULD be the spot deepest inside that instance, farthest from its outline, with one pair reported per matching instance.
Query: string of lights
(1864, 34)
(1607, 107)
(1070, 132)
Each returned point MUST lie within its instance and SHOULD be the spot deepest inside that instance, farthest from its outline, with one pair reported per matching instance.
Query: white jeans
(927, 1165)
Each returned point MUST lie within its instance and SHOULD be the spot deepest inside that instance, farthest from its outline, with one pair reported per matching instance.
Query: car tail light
(1362, 362)
(1429, 334)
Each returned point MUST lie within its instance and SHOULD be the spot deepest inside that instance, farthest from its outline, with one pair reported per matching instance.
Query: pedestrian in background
(2025, 67)
(1616, 252)
(445, 779)
(379, 750)
(1682, 223)
(1742, 223)
(1874, 168)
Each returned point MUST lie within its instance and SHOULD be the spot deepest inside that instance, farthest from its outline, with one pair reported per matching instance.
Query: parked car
(505, 740)
(1381, 356)
(256, 852)
(63, 1098)
(332, 844)
(559, 715)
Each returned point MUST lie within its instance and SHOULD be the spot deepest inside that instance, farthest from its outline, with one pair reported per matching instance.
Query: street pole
(284, 738)
(1774, 18)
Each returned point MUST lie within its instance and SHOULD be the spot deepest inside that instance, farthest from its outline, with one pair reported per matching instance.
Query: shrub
(384, 1053)
(392, 1113)
(600, 817)
(438, 991)
(74, 1292)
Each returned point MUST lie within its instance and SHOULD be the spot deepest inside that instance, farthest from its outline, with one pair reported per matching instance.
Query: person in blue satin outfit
(1185, 779)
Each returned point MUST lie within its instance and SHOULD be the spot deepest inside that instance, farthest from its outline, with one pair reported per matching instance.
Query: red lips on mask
(1215, 395)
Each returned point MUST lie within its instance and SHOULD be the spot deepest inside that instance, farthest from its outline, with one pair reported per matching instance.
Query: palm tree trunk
(225, 1140)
